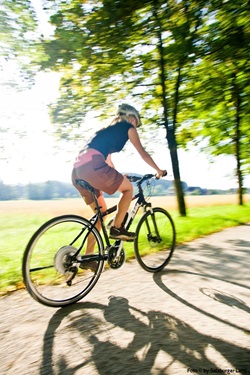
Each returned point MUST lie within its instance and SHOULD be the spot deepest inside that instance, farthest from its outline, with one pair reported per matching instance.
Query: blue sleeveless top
(111, 139)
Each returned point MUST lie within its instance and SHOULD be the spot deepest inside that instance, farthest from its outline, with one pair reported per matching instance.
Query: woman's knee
(126, 186)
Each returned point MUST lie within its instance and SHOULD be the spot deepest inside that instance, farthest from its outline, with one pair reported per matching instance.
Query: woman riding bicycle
(93, 164)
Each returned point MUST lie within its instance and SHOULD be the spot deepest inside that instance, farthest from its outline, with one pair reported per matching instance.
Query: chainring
(114, 261)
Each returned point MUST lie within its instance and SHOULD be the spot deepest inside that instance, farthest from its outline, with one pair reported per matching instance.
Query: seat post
(97, 207)
(100, 217)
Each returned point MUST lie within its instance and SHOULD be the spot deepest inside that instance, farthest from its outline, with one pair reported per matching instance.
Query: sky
(30, 152)
(34, 154)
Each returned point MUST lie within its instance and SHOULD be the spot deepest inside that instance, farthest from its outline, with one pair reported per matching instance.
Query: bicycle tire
(153, 250)
(48, 261)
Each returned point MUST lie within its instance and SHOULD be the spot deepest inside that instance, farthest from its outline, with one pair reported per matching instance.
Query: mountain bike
(56, 269)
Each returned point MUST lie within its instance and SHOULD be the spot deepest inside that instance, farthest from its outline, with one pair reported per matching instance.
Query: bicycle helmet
(128, 110)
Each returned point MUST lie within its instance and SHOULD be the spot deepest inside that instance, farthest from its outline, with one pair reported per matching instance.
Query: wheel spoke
(55, 271)
(155, 240)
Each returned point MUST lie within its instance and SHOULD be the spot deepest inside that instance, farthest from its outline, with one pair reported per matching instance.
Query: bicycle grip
(164, 174)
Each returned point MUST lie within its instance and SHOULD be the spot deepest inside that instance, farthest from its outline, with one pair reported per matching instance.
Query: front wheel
(56, 270)
(155, 242)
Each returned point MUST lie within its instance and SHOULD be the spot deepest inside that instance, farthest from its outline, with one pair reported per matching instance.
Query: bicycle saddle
(85, 185)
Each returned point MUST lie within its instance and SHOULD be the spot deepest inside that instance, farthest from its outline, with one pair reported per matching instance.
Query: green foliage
(111, 50)
(124, 49)
(217, 88)
(38, 191)
(18, 39)
(50, 190)
(184, 63)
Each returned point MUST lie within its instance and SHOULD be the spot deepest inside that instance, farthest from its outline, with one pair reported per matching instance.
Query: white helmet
(128, 110)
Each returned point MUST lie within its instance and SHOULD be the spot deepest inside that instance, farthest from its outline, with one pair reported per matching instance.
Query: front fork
(150, 236)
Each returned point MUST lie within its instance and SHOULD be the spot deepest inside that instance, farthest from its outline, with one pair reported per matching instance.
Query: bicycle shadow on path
(116, 338)
(215, 294)
(223, 261)
(162, 331)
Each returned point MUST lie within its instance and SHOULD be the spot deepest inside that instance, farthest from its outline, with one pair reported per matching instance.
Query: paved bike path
(194, 317)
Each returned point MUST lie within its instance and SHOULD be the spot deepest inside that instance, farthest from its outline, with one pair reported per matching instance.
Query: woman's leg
(126, 188)
(91, 239)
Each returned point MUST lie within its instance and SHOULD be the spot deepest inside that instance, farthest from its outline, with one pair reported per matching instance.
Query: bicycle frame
(99, 215)
(139, 202)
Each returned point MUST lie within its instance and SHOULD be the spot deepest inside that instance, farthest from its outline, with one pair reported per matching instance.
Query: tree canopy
(18, 41)
(218, 84)
(128, 50)
(184, 64)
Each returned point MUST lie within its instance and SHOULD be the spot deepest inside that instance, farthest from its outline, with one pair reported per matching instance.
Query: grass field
(20, 219)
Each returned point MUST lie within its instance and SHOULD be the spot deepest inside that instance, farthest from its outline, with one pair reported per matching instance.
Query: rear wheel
(56, 270)
(155, 242)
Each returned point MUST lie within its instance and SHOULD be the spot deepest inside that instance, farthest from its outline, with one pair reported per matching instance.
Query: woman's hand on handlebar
(161, 173)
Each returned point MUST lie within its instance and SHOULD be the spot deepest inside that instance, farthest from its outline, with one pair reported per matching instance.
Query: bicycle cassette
(63, 259)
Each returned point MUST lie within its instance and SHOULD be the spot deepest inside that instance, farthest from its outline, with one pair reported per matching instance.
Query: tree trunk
(176, 171)
(238, 161)
(237, 102)
(170, 131)
(173, 147)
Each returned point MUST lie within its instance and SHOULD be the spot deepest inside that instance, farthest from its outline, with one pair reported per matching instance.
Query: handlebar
(140, 180)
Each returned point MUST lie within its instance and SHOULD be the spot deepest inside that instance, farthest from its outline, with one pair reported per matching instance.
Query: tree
(113, 48)
(219, 111)
(18, 41)
(185, 63)
(184, 21)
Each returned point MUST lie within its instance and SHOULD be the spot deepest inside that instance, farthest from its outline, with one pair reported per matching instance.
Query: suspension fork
(152, 214)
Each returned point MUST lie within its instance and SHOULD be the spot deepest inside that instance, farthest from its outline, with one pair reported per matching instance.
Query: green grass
(205, 220)
(16, 231)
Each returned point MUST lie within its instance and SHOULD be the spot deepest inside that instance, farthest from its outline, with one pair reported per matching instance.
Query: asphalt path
(193, 317)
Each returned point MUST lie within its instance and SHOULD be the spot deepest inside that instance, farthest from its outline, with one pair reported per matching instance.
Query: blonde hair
(119, 118)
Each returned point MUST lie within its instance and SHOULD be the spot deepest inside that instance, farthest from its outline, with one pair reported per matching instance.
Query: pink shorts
(92, 167)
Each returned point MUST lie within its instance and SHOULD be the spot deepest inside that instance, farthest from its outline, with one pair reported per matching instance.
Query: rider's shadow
(119, 338)
(160, 336)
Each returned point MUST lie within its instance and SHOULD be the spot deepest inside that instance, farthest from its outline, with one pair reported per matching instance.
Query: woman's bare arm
(135, 140)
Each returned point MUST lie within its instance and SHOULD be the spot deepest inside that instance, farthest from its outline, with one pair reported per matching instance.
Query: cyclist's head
(127, 110)
(118, 302)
